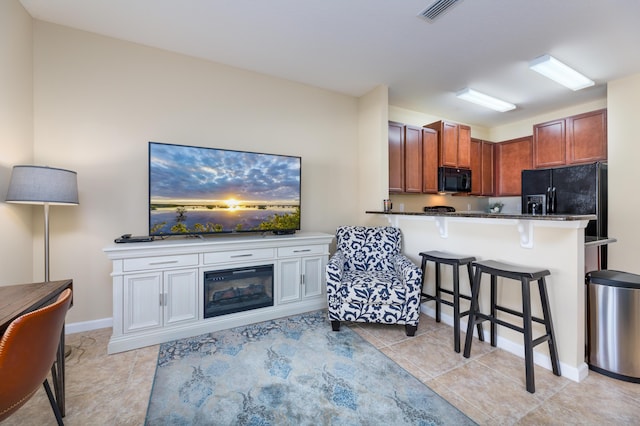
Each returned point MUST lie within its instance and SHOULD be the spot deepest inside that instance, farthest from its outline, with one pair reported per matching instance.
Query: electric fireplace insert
(236, 290)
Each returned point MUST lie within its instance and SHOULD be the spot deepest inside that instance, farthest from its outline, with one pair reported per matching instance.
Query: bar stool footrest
(519, 314)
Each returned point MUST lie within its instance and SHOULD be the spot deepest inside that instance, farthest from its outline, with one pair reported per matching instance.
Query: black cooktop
(440, 209)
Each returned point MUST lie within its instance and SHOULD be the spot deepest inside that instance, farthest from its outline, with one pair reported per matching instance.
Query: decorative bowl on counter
(495, 207)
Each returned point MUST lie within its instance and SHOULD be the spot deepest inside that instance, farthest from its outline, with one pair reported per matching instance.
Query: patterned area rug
(290, 371)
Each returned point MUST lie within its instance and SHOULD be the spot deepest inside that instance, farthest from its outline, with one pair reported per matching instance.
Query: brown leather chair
(27, 351)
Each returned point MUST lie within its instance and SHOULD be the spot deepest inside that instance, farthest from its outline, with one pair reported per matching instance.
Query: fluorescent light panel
(552, 68)
(487, 101)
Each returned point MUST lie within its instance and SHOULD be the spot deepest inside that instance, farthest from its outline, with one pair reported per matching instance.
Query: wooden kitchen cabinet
(577, 139)
(482, 167)
(549, 144)
(405, 158)
(412, 159)
(511, 158)
(587, 137)
(454, 144)
(429, 161)
(396, 157)
(464, 146)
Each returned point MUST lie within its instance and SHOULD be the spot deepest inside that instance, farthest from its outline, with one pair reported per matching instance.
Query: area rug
(290, 371)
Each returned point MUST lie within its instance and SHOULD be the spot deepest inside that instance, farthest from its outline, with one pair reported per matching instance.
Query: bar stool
(456, 261)
(525, 276)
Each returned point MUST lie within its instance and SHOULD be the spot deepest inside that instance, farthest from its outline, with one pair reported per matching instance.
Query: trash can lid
(613, 278)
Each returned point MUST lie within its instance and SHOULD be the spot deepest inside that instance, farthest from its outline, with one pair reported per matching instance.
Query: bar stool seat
(525, 275)
(456, 261)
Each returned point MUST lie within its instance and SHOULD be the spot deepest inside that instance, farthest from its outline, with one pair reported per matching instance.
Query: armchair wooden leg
(335, 325)
(411, 330)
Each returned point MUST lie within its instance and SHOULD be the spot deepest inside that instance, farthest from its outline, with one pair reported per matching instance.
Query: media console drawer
(160, 262)
(301, 250)
(238, 256)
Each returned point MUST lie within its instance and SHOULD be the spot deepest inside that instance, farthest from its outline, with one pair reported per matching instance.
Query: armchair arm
(334, 270)
(411, 277)
(410, 274)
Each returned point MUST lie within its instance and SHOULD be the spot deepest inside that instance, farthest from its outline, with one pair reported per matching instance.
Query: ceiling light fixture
(552, 68)
(487, 101)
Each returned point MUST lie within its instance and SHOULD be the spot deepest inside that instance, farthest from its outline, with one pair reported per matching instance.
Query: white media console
(159, 287)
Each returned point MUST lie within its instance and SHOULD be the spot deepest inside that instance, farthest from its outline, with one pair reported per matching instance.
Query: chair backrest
(27, 352)
(368, 248)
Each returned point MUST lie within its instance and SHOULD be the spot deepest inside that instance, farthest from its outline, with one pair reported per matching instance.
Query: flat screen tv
(198, 190)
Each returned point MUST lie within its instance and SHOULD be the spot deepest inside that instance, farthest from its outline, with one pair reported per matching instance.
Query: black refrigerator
(580, 189)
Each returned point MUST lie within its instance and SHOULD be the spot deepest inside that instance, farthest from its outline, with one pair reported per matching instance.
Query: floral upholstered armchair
(370, 280)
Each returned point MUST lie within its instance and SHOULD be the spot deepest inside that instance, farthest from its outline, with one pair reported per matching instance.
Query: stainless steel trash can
(613, 324)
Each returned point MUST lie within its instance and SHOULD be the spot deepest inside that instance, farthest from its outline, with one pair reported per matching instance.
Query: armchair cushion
(368, 249)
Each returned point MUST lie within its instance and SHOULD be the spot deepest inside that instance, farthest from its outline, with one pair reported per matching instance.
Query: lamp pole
(46, 242)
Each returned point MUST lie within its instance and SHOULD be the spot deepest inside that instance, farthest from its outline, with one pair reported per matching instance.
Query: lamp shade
(41, 185)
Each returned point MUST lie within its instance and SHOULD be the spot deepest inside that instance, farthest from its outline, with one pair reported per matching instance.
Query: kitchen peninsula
(553, 242)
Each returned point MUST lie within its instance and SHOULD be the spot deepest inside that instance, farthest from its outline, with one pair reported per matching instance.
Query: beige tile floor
(489, 387)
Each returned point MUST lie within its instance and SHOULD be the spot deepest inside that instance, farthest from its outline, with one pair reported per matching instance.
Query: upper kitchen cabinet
(412, 159)
(454, 144)
(482, 167)
(396, 157)
(429, 161)
(587, 137)
(405, 158)
(511, 158)
(572, 140)
(549, 144)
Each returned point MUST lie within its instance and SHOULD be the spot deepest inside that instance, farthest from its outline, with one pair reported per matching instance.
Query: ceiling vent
(436, 9)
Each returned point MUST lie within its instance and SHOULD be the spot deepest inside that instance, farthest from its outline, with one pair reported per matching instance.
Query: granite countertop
(549, 217)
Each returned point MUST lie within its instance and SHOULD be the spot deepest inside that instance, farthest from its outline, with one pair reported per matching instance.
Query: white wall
(624, 155)
(16, 139)
(373, 153)
(98, 101)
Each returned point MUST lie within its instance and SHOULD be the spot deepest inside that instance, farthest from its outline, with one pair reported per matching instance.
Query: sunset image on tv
(194, 190)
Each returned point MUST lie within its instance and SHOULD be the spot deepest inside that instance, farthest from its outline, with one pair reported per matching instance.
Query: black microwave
(451, 179)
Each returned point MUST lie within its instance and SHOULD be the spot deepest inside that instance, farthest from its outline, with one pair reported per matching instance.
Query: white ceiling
(352, 46)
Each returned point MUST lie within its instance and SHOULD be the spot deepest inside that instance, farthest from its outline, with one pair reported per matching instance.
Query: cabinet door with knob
(482, 167)
(587, 137)
(429, 161)
(301, 272)
(158, 299)
(511, 158)
(454, 144)
(181, 296)
(396, 157)
(577, 139)
(412, 159)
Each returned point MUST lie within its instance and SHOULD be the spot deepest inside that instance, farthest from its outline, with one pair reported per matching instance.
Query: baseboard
(78, 327)
(577, 374)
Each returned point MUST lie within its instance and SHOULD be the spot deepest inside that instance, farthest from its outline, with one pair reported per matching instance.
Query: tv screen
(197, 190)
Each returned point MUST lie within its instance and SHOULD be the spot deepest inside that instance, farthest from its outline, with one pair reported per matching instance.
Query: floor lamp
(46, 186)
